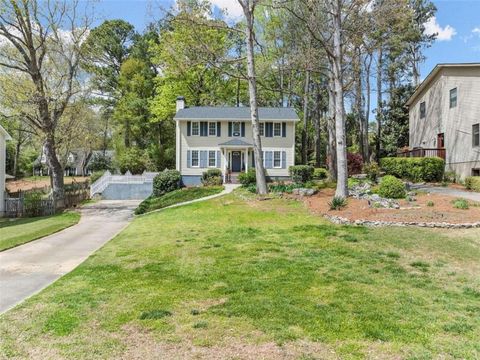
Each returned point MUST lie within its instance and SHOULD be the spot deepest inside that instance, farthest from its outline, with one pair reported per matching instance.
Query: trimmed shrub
(473, 183)
(166, 181)
(415, 168)
(391, 188)
(354, 163)
(212, 177)
(301, 173)
(320, 174)
(248, 178)
(450, 177)
(372, 170)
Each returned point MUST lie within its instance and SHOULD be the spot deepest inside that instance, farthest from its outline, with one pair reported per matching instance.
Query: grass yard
(20, 231)
(176, 197)
(241, 278)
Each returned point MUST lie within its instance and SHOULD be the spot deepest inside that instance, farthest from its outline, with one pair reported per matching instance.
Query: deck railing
(423, 152)
(107, 178)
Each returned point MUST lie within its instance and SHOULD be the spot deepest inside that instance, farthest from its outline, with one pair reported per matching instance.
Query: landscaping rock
(303, 192)
(364, 191)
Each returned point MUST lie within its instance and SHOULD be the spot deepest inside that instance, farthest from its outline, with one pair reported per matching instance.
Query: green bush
(372, 170)
(133, 160)
(460, 204)
(95, 176)
(450, 177)
(391, 188)
(166, 181)
(320, 174)
(212, 177)
(248, 178)
(415, 168)
(337, 203)
(473, 183)
(430, 203)
(301, 173)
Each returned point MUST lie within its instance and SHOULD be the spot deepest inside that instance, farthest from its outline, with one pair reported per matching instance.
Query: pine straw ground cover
(239, 278)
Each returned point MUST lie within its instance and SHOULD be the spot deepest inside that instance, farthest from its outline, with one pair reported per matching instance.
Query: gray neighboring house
(76, 163)
(4, 137)
(444, 118)
(221, 138)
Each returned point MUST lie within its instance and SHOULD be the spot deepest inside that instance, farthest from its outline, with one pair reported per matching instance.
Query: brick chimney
(180, 103)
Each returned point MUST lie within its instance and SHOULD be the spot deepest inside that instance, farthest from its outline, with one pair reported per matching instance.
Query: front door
(236, 161)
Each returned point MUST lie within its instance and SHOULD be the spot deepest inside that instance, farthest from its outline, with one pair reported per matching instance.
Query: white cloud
(476, 31)
(233, 8)
(443, 34)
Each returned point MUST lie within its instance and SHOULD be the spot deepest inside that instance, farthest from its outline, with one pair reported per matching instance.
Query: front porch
(237, 158)
(423, 152)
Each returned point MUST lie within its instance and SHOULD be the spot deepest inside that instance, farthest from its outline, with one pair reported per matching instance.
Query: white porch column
(224, 154)
(246, 159)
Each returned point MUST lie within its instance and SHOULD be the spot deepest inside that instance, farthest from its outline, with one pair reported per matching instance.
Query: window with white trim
(195, 158)
(212, 129)
(277, 159)
(212, 161)
(236, 128)
(453, 98)
(195, 128)
(261, 129)
(277, 129)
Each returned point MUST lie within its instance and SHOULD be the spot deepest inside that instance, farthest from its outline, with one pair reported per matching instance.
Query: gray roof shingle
(235, 113)
(235, 142)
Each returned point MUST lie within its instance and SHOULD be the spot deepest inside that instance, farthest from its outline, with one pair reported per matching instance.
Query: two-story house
(221, 137)
(444, 117)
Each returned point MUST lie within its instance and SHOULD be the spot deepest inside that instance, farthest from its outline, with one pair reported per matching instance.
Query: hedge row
(473, 183)
(415, 169)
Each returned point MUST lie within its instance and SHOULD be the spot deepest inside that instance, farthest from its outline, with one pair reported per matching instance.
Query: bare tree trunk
(332, 148)
(367, 110)
(336, 64)
(359, 104)
(305, 117)
(248, 9)
(318, 129)
(379, 103)
(56, 172)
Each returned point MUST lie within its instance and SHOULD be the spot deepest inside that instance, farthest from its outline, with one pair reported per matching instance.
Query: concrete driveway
(469, 195)
(29, 268)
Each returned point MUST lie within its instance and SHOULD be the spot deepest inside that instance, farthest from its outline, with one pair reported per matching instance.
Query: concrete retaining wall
(127, 191)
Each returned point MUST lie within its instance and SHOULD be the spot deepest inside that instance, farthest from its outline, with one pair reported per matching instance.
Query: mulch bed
(417, 211)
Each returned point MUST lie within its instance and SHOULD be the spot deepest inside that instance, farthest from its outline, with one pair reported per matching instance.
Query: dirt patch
(140, 344)
(38, 183)
(416, 211)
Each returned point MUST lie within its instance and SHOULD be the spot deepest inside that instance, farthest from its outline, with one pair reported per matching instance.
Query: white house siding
(456, 123)
(286, 144)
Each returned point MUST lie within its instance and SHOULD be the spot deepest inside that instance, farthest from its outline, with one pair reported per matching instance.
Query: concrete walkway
(27, 269)
(228, 189)
(448, 191)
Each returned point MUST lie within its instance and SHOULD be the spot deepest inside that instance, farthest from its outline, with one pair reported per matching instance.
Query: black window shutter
(219, 128)
(243, 129)
(189, 128)
(284, 129)
(230, 129)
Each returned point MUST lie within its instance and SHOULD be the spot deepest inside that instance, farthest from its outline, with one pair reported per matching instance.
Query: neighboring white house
(221, 137)
(3, 155)
(445, 117)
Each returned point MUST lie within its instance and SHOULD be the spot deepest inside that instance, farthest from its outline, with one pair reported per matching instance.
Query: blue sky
(456, 21)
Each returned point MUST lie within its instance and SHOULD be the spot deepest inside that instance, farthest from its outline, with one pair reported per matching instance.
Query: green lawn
(176, 197)
(20, 231)
(238, 278)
